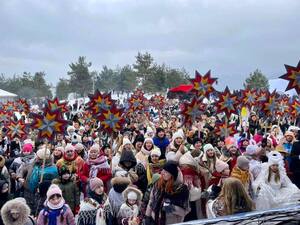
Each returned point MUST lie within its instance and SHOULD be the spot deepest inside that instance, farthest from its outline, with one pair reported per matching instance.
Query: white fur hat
(69, 147)
(178, 134)
(171, 156)
(207, 147)
(148, 140)
(43, 153)
(155, 151)
(126, 141)
(132, 195)
(275, 157)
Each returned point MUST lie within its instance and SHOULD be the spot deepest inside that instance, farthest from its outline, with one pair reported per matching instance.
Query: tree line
(144, 73)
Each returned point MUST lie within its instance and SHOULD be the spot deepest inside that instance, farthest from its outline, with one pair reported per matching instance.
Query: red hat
(27, 148)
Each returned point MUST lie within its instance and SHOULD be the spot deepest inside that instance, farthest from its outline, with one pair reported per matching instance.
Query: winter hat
(53, 190)
(17, 205)
(207, 147)
(95, 147)
(274, 157)
(148, 140)
(187, 159)
(60, 148)
(126, 141)
(156, 151)
(229, 142)
(149, 130)
(70, 128)
(79, 147)
(221, 166)
(95, 183)
(293, 128)
(28, 141)
(69, 147)
(171, 156)
(252, 113)
(251, 150)
(195, 140)
(132, 196)
(243, 162)
(27, 148)
(2, 161)
(178, 134)
(43, 153)
(257, 138)
(172, 169)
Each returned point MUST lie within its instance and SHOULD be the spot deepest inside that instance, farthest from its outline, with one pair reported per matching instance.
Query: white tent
(6, 96)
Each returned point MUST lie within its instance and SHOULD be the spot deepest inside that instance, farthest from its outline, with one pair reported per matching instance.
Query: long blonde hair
(277, 175)
(236, 199)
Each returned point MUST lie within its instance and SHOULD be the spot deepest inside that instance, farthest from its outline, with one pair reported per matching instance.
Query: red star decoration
(16, 129)
(224, 130)
(139, 93)
(295, 108)
(5, 117)
(192, 111)
(293, 76)
(227, 102)
(249, 98)
(56, 105)
(100, 102)
(270, 106)
(88, 118)
(283, 107)
(157, 101)
(49, 124)
(10, 107)
(203, 85)
(22, 105)
(136, 103)
(112, 120)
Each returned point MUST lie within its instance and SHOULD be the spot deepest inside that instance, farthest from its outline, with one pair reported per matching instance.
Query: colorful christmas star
(249, 98)
(227, 102)
(56, 105)
(295, 108)
(283, 106)
(5, 117)
(22, 105)
(16, 129)
(100, 102)
(157, 101)
(112, 120)
(49, 124)
(10, 107)
(139, 93)
(136, 103)
(293, 76)
(88, 118)
(192, 111)
(224, 130)
(270, 106)
(203, 85)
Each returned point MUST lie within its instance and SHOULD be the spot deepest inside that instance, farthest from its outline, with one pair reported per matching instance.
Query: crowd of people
(154, 171)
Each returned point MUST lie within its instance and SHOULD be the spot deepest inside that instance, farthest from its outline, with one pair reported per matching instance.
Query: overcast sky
(230, 37)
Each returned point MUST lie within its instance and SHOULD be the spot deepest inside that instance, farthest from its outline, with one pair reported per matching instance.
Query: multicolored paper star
(5, 117)
(227, 103)
(203, 85)
(49, 124)
(56, 105)
(295, 108)
(293, 76)
(10, 107)
(224, 130)
(283, 107)
(270, 107)
(88, 118)
(16, 129)
(157, 101)
(192, 110)
(112, 120)
(249, 98)
(22, 105)
(136, 103)
(100, 102)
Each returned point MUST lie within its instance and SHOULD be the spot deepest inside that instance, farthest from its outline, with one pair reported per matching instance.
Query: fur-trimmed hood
(119, 184)
(19, 204)
(130, 189)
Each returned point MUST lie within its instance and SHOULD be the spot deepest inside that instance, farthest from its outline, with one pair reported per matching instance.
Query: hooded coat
(20, 204)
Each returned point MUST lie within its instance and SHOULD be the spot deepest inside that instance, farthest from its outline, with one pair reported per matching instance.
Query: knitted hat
(252, 113)
(27, 148)
(69, 147)
(172, 169)
(229, 142)
(207, 147)
(53, 190)
(171, 156)
(28, 141)
(156, 151)
(243, 162)
(95, 147)
(126, 141)
(60, 148)
(2, 161)
(148, 140)
(95, 183)
(79, 147)
(43, 153)
(221, 166)
(251, 150)
(274, 157)
(132, 195)
(178, 134)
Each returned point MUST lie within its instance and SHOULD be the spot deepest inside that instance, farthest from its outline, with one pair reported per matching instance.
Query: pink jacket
(67, 215)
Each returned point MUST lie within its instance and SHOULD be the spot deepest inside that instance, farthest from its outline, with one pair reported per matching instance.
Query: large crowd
(154, 171)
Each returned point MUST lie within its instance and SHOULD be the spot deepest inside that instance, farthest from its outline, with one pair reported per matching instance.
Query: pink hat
(69, 147)
(229, 142)
(53, 190)
(27, 148)
(221, 166)
(95, 182)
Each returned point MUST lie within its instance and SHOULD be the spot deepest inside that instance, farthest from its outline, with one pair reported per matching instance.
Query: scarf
(54, 211)
(27, 158)
(96, 165)
(243, 176)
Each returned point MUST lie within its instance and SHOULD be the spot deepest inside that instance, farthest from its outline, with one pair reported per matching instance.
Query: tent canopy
(182, 88)
(6, 94)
